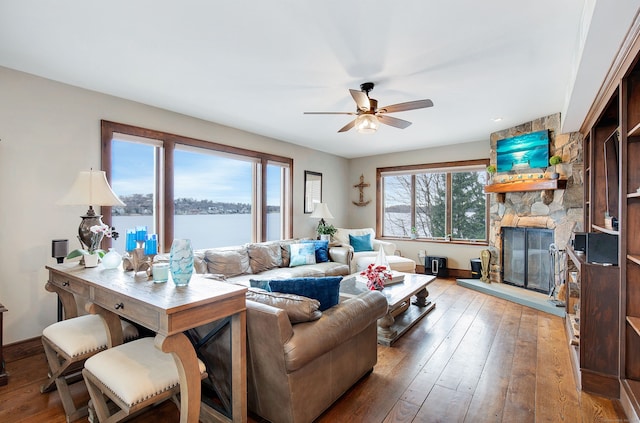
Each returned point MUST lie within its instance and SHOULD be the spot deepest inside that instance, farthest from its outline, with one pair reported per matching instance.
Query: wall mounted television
(524, 151)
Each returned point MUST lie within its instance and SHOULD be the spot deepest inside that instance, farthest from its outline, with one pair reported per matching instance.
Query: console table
(168, 311)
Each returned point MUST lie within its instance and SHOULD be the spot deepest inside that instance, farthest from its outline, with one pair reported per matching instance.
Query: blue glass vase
(181, 261)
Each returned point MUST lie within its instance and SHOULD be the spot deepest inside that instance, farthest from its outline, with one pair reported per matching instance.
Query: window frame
(442, 167)
(165, 174)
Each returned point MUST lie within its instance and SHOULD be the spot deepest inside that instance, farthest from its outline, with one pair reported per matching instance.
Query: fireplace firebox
(526, 259)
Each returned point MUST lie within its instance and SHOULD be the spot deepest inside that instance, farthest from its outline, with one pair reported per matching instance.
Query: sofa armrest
(389, 247)
(337, 325)
(342, 254)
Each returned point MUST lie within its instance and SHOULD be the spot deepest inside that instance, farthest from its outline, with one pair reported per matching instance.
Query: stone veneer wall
(563, 214)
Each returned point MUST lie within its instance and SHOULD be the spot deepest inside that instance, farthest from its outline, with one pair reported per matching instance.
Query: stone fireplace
(559, 210)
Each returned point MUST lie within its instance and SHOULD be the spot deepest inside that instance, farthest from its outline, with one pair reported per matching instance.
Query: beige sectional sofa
(299, 359)
(265, 260)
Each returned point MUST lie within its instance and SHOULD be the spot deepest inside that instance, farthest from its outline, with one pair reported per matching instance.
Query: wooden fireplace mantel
(526, 185)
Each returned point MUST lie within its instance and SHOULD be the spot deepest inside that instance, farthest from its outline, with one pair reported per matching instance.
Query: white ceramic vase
(112, 259)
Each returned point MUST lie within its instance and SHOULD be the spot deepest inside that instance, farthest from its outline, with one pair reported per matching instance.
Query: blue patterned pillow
(321, 248)
(325, 289)
(302, 254)
(361, 242)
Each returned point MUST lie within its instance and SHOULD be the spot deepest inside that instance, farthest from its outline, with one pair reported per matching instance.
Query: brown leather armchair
(295, 372)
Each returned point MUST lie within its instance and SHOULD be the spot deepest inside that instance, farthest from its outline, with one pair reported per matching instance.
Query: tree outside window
(437, 202)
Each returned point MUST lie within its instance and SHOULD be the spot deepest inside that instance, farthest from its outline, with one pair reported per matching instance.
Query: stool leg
(54, 368)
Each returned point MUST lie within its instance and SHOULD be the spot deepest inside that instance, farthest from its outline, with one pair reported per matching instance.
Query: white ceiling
(258, 65)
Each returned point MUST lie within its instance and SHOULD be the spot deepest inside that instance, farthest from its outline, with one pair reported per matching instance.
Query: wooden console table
(168, 311)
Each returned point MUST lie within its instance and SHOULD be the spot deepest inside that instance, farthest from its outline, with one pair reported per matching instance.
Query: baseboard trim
(23, 349)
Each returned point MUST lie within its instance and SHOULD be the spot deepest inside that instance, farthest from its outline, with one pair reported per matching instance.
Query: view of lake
(204, 230)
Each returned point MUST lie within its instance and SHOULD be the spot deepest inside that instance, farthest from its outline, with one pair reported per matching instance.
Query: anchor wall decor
(361, 186)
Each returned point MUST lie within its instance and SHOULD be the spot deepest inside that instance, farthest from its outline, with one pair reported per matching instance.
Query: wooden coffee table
(402, 313)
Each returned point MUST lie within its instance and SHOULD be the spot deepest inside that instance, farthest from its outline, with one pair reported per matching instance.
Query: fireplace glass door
(526, 261)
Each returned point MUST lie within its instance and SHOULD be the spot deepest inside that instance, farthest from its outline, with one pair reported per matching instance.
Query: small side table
(4, 379)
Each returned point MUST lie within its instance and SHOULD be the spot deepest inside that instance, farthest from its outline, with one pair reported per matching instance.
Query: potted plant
(326, 231)
(92, 254)
(414, 232)
(553, 161)
(491, 170)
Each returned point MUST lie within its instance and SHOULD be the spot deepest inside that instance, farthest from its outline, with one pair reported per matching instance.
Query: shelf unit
(525, 185)
(594, 353)
(630, 205)
(612, 181)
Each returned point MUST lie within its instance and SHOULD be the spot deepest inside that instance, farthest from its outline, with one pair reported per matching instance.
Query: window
(435, 201)
(213, 194)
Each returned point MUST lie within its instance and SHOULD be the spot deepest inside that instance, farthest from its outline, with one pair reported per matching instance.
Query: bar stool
(131, 377)
(67, 344)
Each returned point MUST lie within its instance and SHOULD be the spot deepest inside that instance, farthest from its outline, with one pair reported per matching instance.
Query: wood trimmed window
(246, 194)
(437, 201)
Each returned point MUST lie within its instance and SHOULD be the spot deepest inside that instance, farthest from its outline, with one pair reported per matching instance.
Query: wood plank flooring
(474, 358)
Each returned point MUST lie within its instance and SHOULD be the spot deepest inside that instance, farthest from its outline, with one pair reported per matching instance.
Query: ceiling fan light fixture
(367, 124)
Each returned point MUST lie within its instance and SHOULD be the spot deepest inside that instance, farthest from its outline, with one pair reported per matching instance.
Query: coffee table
(402, 313)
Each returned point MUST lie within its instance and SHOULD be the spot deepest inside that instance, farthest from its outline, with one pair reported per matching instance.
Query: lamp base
(84, 230)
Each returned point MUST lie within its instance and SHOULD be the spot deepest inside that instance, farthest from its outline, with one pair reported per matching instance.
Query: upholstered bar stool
(132, 376)
(67, 344)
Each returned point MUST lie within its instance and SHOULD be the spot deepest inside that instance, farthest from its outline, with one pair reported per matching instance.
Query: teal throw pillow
(302, 254)
(324, 289)
(361, 242)
(260, 283)
(321, 249)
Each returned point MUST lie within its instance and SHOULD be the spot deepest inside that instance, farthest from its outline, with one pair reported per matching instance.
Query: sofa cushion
(301, 254)
(321, 248)
(299, 309)
(229, 262)
(284, 250)
(324, 289)
(361, 242)
(264, 256)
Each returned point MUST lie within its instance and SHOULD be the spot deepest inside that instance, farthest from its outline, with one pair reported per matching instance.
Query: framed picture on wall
(312, 190)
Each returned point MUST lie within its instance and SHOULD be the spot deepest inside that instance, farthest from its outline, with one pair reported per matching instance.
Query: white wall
(458, 256)
(50, 131)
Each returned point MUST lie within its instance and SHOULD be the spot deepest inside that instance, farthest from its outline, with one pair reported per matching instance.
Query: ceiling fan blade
(409, 105)
(348, 126)
(391, 121)
(361, 99)
(329, 113)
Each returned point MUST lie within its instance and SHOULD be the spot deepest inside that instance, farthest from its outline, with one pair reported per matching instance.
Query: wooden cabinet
(630, 228)
(612, 183)
(3, 370)
(594, 352)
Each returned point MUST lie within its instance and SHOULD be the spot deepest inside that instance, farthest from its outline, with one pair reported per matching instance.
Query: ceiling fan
(369, 116)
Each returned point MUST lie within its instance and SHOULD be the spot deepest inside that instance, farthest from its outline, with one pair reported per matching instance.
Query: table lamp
(90, 187)
(322, 212)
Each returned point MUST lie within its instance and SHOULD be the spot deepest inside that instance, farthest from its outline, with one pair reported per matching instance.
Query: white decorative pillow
(301, 254)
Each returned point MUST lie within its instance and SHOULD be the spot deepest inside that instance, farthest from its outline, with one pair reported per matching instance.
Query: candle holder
(138, 261)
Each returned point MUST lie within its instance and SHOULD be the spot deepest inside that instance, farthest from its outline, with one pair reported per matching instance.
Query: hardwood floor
(474, 358)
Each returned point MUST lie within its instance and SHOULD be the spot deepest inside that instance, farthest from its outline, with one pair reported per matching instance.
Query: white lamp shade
(91, 188)
(321, 211)
(367, 124)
